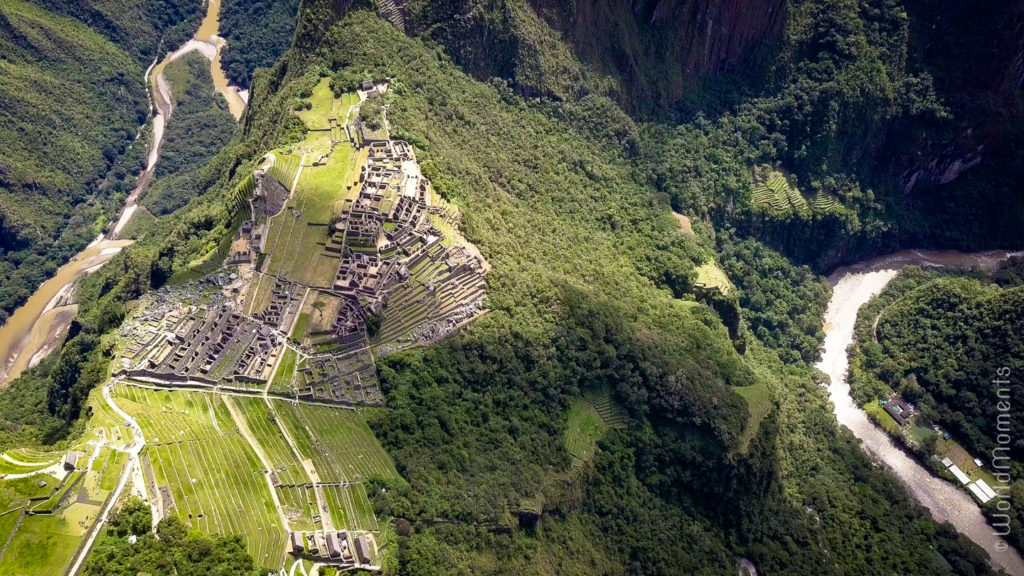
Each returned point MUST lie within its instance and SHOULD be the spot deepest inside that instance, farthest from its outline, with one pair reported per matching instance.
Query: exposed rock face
(655, 50)
(975, 51)
(659, 49)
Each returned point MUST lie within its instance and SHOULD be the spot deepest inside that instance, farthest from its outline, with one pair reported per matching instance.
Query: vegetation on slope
(258, 34)
(201, 125)
(951, 344)
(55, 148)
(475, 423)
(71, 102)
(139, 27)
(173, 549)
(862, 101)
(592, 287)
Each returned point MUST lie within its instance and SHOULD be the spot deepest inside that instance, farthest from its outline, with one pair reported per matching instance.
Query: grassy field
(583, 430)
(214, 475)
(105, 424)
(283, 376)
(326, 106)
(299, 504)
(710, 275)
(300, 327)
(881, 417)
(297, 236)
(10, 468)
(759, 403)
(42, 545)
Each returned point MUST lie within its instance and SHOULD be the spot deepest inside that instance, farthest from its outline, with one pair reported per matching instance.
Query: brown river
(38, 326)
(853, 286)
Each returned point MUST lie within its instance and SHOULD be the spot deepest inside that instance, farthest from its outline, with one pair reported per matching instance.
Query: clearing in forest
(584, 429)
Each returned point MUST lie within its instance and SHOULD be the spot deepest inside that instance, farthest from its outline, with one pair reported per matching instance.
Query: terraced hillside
(254, 466)
(775, 193)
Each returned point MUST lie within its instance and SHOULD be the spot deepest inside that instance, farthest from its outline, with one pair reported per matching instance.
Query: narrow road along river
(854, 286)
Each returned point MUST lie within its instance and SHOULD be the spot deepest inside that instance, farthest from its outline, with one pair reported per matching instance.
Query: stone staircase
(392, 11)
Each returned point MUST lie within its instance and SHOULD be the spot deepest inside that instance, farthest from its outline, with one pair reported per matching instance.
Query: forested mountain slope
(898, 126)
(258, 34)
(951, 343)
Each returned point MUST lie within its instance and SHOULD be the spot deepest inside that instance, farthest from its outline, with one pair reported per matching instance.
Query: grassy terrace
(613, 414)
(297, 236)
(282, 381)
(710, 275)
(339, 442)
(350, 507)
(299, 504)
(264, 427)
(582, 432)
(759, 403)
(775, 194)
(215, 477)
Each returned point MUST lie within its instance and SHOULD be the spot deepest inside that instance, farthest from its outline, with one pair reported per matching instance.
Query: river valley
(37, 327)
(853, 286)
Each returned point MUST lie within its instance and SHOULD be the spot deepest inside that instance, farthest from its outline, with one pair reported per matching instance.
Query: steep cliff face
(660, 49)
(975, 52)
(648, 53)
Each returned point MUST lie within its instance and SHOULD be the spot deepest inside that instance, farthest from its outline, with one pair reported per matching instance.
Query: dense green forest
(568, 192)
(200, 126)
(258, 34)
(71, 102)
(952, 344)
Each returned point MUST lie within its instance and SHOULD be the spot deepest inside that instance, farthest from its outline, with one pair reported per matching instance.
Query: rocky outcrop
(975, 52)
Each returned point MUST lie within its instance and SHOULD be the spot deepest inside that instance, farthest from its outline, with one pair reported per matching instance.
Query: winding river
(853, 286)
(38, 326)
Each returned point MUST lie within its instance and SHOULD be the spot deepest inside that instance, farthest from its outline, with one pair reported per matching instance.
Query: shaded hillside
(70, 105)
(894, 109)
(140, 27)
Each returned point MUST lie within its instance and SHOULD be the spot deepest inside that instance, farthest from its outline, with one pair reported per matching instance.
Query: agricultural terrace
(43, 525)
(774, 193)
(584, 429)
(344, 452)
(298, 235)
(338, 441)
(350, 507)
(263, 425)
(710, 275)
(215, 480)
(611, 412)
